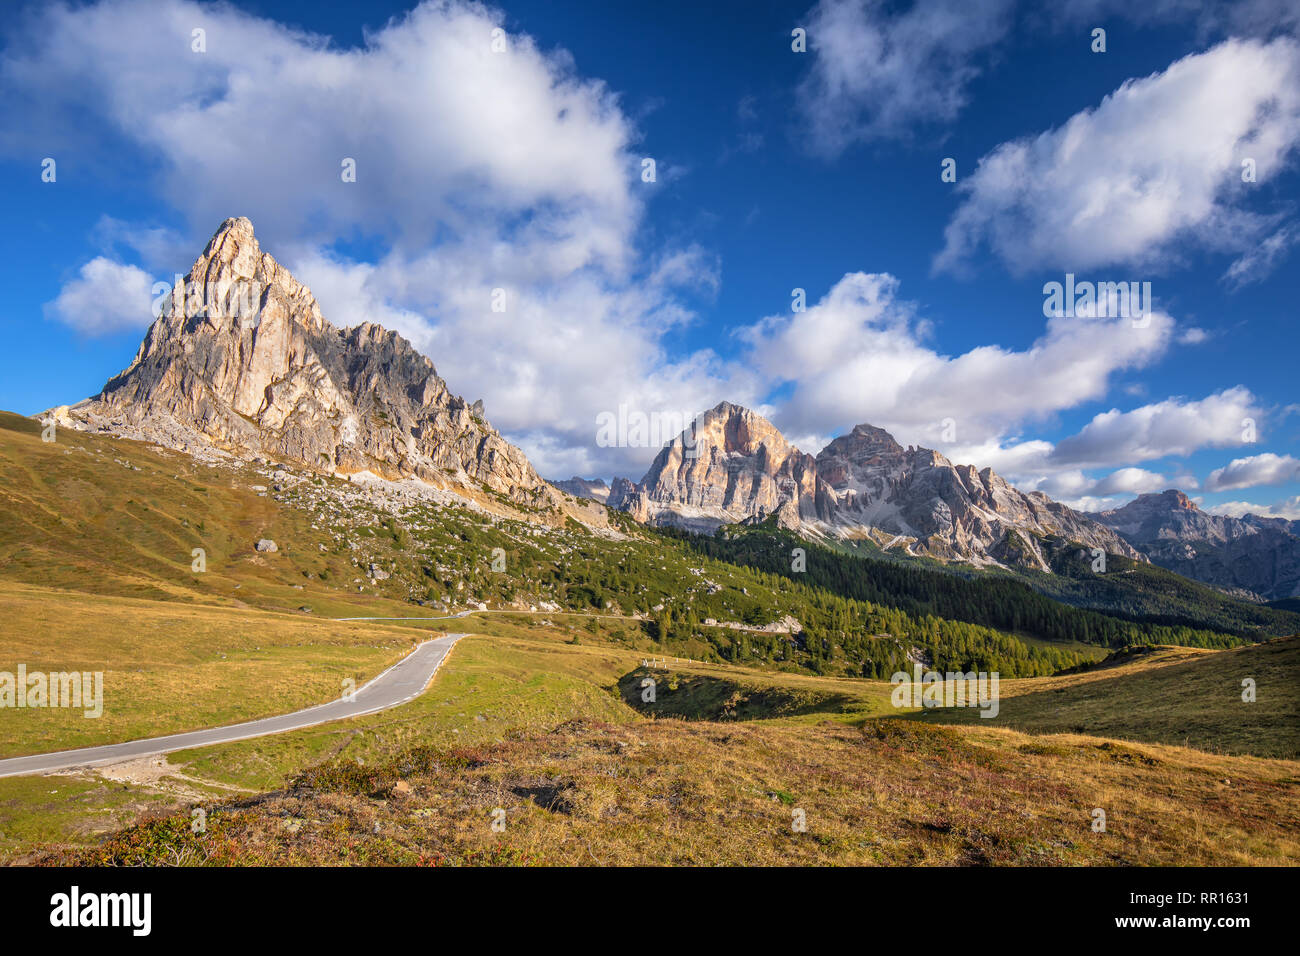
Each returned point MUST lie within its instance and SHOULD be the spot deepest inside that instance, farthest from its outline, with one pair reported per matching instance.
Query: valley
(694, 668)
(538, 713)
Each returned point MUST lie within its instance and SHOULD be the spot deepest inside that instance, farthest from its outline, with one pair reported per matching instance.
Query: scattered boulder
(266, 544)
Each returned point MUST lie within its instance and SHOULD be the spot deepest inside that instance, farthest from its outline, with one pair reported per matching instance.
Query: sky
(834, 213)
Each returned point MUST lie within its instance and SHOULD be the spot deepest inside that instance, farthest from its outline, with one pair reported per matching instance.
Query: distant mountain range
(734, 466)
(241, 360)
(1252, 554)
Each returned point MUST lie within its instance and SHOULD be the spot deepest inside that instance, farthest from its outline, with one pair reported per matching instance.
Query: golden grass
(584, 776)
(170, 667)
(1173, 695)
(681, 793)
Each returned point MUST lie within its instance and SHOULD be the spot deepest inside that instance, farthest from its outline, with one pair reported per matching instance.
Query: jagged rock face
(593, 488)
(620, 490)
(1172, 516)
(242, 356)
(1252, 553)
(862, 484)
(951, 511)
(732, 465)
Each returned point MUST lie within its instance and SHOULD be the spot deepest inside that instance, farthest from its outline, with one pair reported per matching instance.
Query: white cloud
(559, 355)
(1130, 481)
(445, 133)
(1095, 493)
(877, 70)
(1288, 508)
(1090, 503)
(1175, 426)
(1121, 184)
(106, 297)
(1265, 469)
(157, 247)
(474, 171)
(858, 355)
(1258, 261)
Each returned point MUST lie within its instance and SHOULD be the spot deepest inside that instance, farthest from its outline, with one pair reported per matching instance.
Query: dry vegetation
(676, 792)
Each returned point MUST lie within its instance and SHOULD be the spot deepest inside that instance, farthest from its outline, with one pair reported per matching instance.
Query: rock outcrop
(242, 358)
(944, 510)
(1253, 553)
(734, 466)
(731, 465)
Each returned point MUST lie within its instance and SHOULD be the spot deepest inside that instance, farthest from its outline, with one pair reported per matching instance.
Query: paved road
(403, 681)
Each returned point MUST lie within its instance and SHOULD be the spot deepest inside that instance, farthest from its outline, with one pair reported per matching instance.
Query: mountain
(1255, 554)
(737, 467)
(947, 511)
(593, 488)
(242, 360)
(731, 465)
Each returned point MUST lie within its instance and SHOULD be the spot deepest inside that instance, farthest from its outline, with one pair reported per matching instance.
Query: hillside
(763, 705)
(1165, 695)
(120, 518)
(1253, 554)
(1132, 602)
(538, 727)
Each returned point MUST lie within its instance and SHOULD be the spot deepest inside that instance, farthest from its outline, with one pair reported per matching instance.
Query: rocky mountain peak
(1259, 556)
(242, 359)
(868, 439)
(862, 484)
(731, 464)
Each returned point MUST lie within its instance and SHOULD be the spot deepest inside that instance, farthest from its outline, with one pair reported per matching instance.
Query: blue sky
(775, 170)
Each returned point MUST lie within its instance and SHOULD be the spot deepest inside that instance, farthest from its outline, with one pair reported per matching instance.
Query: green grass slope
(1168, 695)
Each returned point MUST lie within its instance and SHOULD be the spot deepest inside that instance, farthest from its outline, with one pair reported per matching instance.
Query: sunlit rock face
(242, 358)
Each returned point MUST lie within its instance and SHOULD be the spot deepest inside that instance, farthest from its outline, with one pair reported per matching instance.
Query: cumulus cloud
(475, 171)
(1265, 469)
(860, 355)
(445, 133)
(106, 297)
(878, 69)
(560, 354)
(1288, 508)
(1175, 426)
(1121, 184)
(1088, 493)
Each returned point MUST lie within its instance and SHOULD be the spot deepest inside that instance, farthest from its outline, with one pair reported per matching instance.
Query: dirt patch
(156, 773)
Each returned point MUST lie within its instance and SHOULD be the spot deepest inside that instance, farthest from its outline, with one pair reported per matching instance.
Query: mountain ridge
(734, 466)
(241, 359)
(1253, 554)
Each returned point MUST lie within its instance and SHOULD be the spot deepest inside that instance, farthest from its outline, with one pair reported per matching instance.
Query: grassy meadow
(746, 755)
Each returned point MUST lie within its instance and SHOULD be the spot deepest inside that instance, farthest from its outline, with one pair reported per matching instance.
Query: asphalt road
(403, 681)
